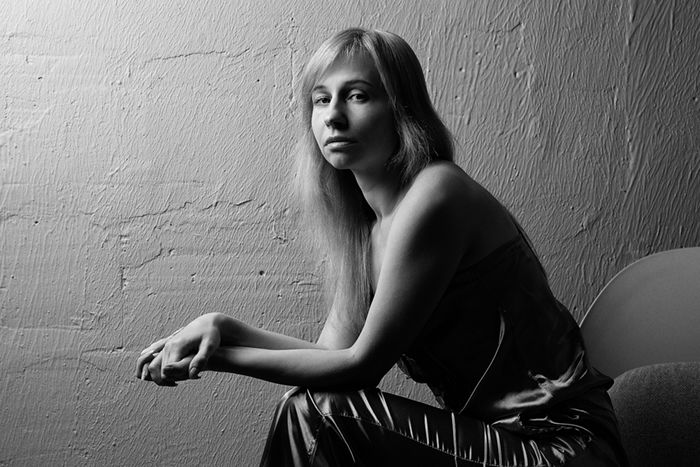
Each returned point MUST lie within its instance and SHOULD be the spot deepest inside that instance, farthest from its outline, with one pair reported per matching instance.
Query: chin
(339, 161)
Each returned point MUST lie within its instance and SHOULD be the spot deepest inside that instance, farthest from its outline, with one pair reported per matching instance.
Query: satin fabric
(499, 344)
(372, 428)
(507, 364)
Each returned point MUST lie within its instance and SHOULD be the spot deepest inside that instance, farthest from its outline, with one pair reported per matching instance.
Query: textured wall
(144, 159)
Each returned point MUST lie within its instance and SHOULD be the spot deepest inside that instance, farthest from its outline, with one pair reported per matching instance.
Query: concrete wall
(144, 159)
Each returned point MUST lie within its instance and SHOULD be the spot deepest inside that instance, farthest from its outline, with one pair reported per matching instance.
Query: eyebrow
(346, 84)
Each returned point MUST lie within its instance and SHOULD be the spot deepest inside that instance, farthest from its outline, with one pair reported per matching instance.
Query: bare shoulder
(436, 203)
(443, 186)
(444, 191)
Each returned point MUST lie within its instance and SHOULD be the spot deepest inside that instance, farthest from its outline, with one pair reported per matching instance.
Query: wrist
(219, 360)
(226, 326)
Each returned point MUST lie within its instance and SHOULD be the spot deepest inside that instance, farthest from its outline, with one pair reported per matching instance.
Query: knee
(303, 406)
(294, 408)
(293, 431)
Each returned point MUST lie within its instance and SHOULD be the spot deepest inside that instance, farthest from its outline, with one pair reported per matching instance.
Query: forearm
(312, 368)
(237, 333)
(187, 351)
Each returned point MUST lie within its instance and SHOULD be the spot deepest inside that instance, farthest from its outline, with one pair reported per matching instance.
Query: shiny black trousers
(373, 428)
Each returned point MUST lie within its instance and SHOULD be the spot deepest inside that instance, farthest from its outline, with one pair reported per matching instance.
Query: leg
(349, 429)
(369, 428)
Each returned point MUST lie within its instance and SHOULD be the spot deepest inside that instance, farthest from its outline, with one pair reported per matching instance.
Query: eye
(320, 99)
(358, 96)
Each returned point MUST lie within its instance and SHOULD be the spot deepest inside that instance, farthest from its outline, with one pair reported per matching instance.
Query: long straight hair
(333, 203)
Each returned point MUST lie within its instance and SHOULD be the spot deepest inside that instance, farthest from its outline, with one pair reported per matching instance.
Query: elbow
(367, 370)
(360, 380)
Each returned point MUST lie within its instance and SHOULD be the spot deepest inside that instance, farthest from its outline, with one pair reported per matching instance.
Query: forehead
(355, 67)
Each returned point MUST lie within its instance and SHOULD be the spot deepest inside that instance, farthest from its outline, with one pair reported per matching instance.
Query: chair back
(648, 313)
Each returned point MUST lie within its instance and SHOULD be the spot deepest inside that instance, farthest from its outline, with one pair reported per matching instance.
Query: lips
(338, 141)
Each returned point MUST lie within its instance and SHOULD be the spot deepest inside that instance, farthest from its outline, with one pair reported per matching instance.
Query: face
(352, 119)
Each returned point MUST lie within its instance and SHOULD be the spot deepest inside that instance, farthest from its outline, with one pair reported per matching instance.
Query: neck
(382, 191)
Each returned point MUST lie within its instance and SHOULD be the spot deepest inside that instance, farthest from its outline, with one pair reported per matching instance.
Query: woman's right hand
(149, 355)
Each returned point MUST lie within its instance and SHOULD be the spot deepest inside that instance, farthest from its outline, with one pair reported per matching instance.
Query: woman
(428, 270)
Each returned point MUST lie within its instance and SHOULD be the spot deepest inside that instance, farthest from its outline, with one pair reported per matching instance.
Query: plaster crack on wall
(217, 203)
(188, 55)
(159, 213)
(103, 350)
(517, 26)
(632, 166)
(6, 216)
(199, 54)
(586, 224)
(160, 253)
(630, 176)
(304, 283)
(21, 35)
(106, 225)
(122, 279)
(276, 219)
(472, 89)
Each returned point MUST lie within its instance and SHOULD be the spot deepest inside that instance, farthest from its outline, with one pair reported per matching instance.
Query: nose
(335, 115)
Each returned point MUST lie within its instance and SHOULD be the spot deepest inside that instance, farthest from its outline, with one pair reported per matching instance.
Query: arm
(235, 332)
(337, 332)
(426, 242)
(191, 346)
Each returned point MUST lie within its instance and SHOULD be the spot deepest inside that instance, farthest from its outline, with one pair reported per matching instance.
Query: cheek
(384, 130)
(317, 129)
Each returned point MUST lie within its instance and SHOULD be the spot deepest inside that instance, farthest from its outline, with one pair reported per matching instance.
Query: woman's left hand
(182, 355)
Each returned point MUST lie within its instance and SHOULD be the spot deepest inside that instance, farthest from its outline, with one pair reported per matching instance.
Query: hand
(148, 356)
(182, 355)
(153, 372)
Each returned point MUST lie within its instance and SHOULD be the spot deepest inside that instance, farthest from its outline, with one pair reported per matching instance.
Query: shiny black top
(499, 345)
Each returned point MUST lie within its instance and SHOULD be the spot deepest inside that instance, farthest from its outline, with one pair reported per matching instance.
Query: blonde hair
(331, 198)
